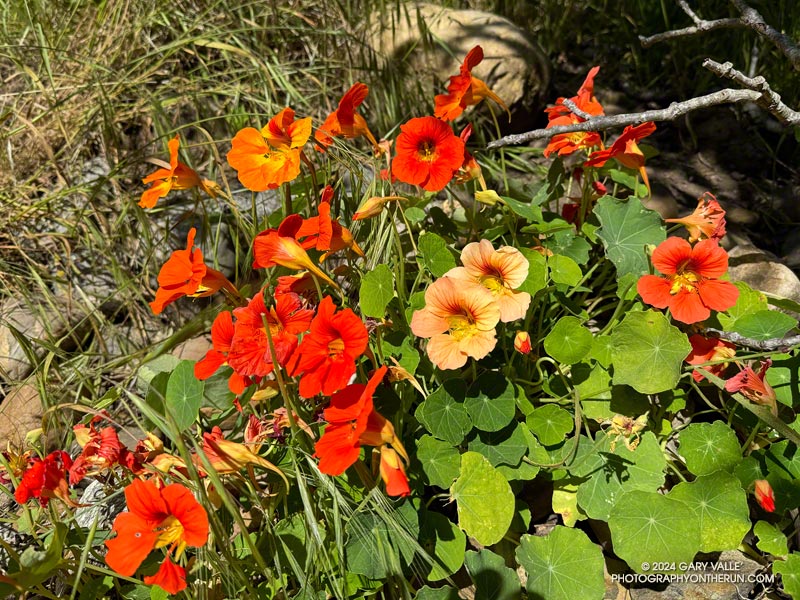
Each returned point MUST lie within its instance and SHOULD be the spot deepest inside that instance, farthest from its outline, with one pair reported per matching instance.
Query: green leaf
(550, 423)
(648, 352)
(601, 349)
(505, 447)
(436, 256)
(440, 461)
(783, 376)
(771, 539)
(376, 291)
(567, 243)
(611, 474)
(484, 498)
(415, 215)
(563, 565)
(216, 392)
(184, 395)
(158, 593)
(444, 542)
(490, 402)
(709, 447)
(720, 504)
(38, 565)
(627, 228)
(789, 570)
(528, 212)
(368, 549)
(442, 593)
(493, 579)
(537, 272)
(161, 364)
(564, 270)
(569, 341)
(764, 325)
(749, 302)
(401, 346)
(649, 528)
(443, 413)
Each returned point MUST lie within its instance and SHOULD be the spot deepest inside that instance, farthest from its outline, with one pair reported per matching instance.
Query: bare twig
(753, 19)
(700, 26)
(765, 345)
(769, 99)
(675, 110)
(574, 108)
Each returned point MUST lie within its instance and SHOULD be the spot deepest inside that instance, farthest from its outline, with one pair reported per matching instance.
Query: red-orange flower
(470, 169)
(46, 478)
(690, 287)
(324, 233)
(465, 90)
(707, 350)
(221, 338)
(177, 177)
(707, 220)
(268, 158)
(625, 150)
(185, 274)
(764, 495)
(101, 449)
(522, 342)
(460, 318)
(326, 356)
(157, 518)
(345, 121)
(393, 473)
(754, 386)
(567, 143)
(249, 353)
(428, 153)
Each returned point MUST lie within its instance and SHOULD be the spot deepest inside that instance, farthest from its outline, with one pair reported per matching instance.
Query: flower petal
(170, 577)
(135, 539)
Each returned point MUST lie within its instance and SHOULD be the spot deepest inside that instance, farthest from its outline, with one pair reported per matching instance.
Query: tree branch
(574, 108)
(765, 345)
(700, 26)
(752, 18)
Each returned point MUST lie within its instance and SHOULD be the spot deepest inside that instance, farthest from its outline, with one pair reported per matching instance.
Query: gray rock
(763, 272)
(513, 66)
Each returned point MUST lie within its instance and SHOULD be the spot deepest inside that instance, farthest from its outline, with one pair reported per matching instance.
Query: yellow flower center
(336, 347)
(493, 283)
(684, 280)
(426, 150)
(461, 326)
(170, 532)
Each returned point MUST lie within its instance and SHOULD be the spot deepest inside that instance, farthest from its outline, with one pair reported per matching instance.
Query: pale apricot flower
(460, 318)
(500, 271)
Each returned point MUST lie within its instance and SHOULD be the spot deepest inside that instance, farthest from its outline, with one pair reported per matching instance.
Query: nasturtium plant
(627, 228)
(568, 342)
(708, 447)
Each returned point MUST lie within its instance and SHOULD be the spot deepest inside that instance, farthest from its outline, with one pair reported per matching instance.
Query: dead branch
(765, 345)
(700, 26)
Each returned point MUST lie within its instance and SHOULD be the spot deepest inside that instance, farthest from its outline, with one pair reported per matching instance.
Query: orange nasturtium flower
(706, 350)
(345, 121)
(46, 478)
(690, 286)
(460, 318)
(268, 158)
(567, 143)
(185, 274)
(707, 221)
(324, 233)
(428, 153)
(101, 449)
(326, 358)
(465, 90)
(500, 271)
(754, 386)
(226, 456)
(764, 495)
(177, 177)
(157, 518)
(393, 473)
(625, 150)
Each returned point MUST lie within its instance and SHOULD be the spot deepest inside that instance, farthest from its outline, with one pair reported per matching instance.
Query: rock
(664, 204)
(513, 65)
(193, 349)
(763, 272)
(20, 412)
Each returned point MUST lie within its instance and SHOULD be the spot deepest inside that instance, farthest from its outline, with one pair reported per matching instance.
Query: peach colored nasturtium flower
(177, 177)
(345, 121)
(268, 158)
(754, 386)
(500, 271)
(428, 153)
(185, 274)
(707, 221)
(465, 90)
(460, 318)
(625, 150)
(764, 495)
(706, 350)
(168, 518)
(690, 286)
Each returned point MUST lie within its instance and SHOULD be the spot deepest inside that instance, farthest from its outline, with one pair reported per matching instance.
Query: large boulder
(763, 272)
(513, 66)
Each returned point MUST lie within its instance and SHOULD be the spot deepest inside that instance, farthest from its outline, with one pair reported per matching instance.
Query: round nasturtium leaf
(493, 579)
(750, 301)
(709, 447)
(649, 528)
(184, 395)
(648, 353)
(440, 461)
(504, 447)
(563, 565)
(771, 539)
(444, 542)
(490, 402)
(569, 341)
(720, 504)
(436, 256)
(789, 570)
(550, 424)
(627, 228)
(764, 325)
(537, 272)
(564, 270)
(484, 499)
(376, 291)
(443, 413)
